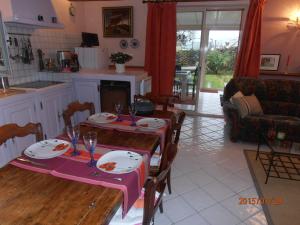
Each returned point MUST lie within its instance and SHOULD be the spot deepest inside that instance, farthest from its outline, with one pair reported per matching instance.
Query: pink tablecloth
(125, 125)
(75, 168)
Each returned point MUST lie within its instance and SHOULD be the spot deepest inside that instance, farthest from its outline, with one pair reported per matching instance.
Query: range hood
(35, 13)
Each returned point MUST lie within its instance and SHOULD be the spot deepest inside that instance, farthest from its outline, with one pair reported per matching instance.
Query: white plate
(45, 149)
(125, 161)
(102, 118)
(153, 123)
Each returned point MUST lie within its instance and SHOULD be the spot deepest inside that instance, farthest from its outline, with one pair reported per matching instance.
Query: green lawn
(216, 81)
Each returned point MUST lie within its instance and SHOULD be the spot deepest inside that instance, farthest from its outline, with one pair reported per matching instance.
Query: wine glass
(90, 141)
(73, 133)
(132, 113)
(118, 108)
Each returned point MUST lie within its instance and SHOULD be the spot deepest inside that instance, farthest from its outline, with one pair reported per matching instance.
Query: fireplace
(112, 92)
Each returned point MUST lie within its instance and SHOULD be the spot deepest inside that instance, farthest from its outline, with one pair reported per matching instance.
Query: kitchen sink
(38, 84)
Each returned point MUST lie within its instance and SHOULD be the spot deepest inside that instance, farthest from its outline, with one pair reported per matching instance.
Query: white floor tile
(182, 185)
(193, 220)
(217, 215)
(177, 209)
(199, 199)
(161, 219)
(209, 175)
(218, 190)
(257, 219)
(200, 178)
(236, 183)
(241, 211)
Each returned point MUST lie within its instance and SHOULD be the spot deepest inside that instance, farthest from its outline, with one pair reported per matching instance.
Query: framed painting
(117, 21)
(269, 62)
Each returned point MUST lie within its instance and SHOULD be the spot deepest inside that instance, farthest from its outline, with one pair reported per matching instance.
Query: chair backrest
(178, 67)
(157, 184)
(12, 130)
(155, 100)
(77, 107)
(178, 126)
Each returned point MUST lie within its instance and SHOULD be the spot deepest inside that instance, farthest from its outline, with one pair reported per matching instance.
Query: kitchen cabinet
(45, 106)
(21, 111)
(51, 104)
(87, 91)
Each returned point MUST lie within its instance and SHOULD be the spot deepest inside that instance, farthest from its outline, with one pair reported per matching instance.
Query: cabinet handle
(98, 88)
(58, 115)
(41, 104)
(45, 136)
(13, 140)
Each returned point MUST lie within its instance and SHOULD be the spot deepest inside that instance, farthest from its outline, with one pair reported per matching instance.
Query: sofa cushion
(281, 108)
(247, 105)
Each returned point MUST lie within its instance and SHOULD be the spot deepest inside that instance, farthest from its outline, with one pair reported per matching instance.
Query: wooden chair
(193, 82)
(77, 107)
(12, 130)
(151, 197)
(178, 126)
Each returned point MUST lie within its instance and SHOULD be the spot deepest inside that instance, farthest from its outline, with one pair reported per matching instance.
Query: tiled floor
(209, 104)
(209, 176)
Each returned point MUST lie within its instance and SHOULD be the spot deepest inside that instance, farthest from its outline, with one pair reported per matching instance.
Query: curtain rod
(165, 1)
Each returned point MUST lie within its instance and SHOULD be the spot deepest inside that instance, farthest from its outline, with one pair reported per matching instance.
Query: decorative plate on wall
(134, 43)
(123, 44)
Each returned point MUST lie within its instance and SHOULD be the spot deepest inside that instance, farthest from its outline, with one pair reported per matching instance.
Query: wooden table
(119, 138)
(33, 198)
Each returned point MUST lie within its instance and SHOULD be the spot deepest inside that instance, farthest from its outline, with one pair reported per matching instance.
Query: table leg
(269, 168)
(258, 147)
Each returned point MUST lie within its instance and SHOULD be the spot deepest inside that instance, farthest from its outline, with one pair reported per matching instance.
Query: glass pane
(189, 18)
(220, 58)
(3, 53)
(223, 18)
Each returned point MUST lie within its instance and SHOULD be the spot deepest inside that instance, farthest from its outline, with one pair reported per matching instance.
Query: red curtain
(160, 58)
(248, 61)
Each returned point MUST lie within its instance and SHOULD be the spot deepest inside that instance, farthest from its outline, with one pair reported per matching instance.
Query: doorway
(207, 45)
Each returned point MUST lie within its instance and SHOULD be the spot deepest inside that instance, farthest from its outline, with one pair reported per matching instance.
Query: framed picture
(117, 21)
(269, 62)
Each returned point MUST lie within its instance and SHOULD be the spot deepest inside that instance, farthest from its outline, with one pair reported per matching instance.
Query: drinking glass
(118, 108)
(73, 133)
(132, 113)
(90, 141)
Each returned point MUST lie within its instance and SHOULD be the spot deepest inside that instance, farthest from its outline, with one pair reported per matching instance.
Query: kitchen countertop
(10, 92)
(129, 74)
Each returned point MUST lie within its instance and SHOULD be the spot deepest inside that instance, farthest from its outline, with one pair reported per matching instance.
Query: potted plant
(119, 59)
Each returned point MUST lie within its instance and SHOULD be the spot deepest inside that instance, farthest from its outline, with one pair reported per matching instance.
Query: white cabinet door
(66, 97)
(49, 104)
(87, 91)
(20, 112)
(5, 149)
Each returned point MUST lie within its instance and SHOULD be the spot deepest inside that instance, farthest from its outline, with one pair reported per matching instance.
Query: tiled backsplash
(49, 41)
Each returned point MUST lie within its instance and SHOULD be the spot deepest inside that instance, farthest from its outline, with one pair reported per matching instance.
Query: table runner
(125, 125)
(75, 168)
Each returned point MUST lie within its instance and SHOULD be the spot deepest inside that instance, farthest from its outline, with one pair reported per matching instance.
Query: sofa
(279, 100)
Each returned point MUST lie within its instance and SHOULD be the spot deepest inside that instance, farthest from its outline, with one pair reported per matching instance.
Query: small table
(281, 161)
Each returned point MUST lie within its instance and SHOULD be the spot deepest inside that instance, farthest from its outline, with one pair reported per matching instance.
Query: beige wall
(72, 24)
(276, 37)
(93, 23)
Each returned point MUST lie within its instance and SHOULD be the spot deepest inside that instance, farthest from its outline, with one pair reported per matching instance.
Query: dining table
(30, 197)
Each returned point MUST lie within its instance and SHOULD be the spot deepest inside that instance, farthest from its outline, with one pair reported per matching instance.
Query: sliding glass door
(207, 45)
